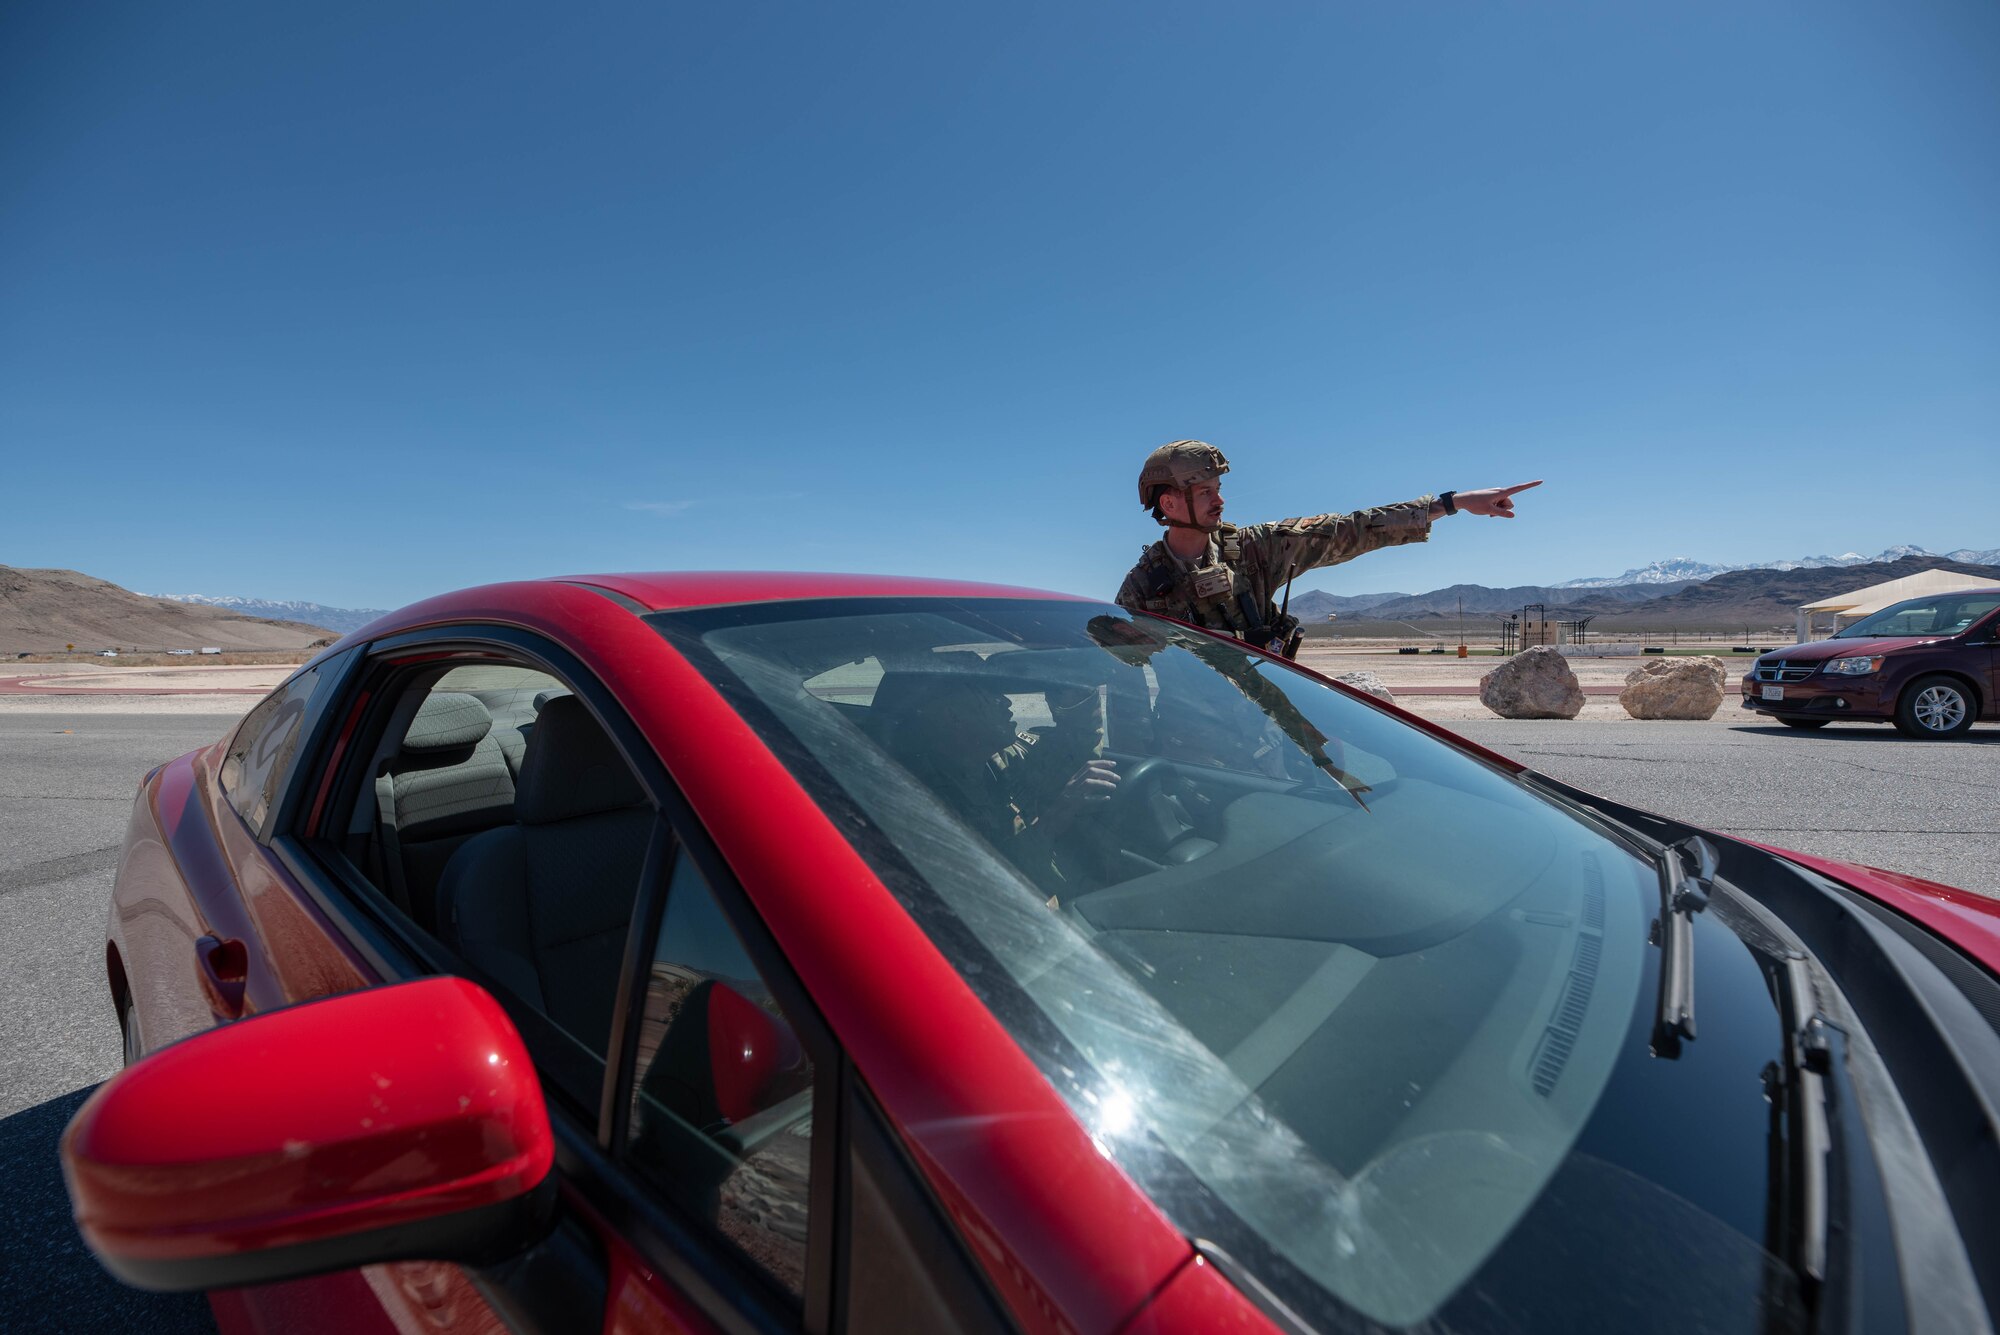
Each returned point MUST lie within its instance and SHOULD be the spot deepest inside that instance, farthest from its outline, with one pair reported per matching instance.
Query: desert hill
(1748, 598)
(1315, 604)
(1773, 597)
(1484, 601)
(42, 610)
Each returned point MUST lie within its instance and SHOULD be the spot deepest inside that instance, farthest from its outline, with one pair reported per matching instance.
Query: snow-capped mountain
(342, 619)
(1686, 567)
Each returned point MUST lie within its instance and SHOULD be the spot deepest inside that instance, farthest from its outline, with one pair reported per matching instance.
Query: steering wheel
(1107, 831)
(1132, 817)
(1135, 780)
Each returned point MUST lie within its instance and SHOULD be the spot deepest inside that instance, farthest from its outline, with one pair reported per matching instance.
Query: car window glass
(449, 771)
(1943, 615)
(847, 683)
(1300, 949)
(722, 1115)
(494, 810)
(1966, 612)
(261, 751)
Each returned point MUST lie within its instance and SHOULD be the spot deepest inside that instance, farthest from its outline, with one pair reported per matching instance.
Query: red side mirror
(401, 1122)
(750, 1051)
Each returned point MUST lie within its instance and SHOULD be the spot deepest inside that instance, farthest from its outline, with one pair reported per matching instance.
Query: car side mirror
(751, 1052)
(397, 1123)
(722, 1060)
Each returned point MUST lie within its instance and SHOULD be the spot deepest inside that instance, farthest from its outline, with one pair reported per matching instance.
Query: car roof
(660, 591)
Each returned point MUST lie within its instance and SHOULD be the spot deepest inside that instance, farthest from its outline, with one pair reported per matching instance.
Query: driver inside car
(1021, 790)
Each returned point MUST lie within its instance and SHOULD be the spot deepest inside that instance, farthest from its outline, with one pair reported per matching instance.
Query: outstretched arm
(1493, 502)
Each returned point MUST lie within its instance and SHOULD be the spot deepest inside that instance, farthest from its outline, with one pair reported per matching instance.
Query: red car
(761, 952)
(1929, 665)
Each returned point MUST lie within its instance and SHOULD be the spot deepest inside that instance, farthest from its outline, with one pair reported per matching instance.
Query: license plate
(1774, 692)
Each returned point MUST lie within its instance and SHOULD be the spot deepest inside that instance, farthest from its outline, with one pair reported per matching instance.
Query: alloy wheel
(1939, 708)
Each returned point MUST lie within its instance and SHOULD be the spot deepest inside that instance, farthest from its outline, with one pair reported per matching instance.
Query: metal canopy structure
(1847, 607)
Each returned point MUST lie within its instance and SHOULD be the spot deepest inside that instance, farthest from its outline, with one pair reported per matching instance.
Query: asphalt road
(1855, 792)
(66, 785)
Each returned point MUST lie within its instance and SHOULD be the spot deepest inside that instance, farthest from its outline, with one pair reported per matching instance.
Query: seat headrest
(447, 721)
(571, 768)
(904, 693)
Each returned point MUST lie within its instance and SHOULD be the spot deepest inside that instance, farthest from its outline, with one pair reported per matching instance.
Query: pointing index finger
(1509, 491)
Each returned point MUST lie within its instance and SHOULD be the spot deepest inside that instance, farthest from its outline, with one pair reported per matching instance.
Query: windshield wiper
(1802, 1143)
(1687, 873)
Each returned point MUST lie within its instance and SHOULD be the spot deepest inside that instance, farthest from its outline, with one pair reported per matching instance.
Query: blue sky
(357, 303)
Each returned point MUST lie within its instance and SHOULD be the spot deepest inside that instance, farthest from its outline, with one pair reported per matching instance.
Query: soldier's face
(1207, 498)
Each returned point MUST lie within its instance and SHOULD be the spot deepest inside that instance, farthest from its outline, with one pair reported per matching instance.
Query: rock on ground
(1369, 682)
(1535, 683)
(1686, 688)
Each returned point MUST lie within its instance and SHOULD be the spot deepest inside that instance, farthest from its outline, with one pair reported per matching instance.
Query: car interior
(500, 817)
(1299, 884)
(496, 812)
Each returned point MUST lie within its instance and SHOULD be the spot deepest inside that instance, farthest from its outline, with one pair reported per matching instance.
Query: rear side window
(262, 750)
(722, 1119)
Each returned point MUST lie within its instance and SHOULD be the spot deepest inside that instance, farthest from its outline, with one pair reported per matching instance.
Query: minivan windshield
(1939, 614)
(1332, 990)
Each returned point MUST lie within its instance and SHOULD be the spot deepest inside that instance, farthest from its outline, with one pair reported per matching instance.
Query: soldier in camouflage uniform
(1226, 578)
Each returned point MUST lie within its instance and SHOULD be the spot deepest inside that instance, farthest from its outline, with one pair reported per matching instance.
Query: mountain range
(1759, 597)
(55, 606)
(342, 619)
(1477, 600)
(43, 610)
(1676, 569)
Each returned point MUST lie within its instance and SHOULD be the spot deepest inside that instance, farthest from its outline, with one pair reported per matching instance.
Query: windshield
(1940, 614)
(1330, 989)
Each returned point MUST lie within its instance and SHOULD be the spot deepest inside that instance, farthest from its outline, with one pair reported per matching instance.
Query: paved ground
(1851, 791)
(88, 679)
(66, 785)
(69, 765)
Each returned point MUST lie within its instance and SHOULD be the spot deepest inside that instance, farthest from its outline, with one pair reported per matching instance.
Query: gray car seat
(449, 781)
(541, 906)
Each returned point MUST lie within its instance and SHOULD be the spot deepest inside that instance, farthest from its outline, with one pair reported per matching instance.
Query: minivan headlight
(1854, 667)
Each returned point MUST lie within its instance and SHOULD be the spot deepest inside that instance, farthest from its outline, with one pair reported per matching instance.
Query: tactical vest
(1217, 597)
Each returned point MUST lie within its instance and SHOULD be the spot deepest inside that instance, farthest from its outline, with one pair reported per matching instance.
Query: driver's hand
(1095, 782)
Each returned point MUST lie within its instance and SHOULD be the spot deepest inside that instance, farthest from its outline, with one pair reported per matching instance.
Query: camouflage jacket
(1003, 797)
(1234, 586)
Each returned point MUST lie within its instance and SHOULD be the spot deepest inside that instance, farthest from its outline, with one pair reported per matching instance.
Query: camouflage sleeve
(1327, 540)
(1130, 596)
(1028, 769)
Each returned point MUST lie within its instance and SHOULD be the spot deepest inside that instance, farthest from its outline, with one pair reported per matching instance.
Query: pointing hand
(1494, 502)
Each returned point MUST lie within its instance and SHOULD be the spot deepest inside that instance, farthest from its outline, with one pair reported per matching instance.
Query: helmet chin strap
(1187, 499)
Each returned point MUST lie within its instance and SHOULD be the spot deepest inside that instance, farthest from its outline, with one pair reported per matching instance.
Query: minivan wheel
(1805, 724)
(1935, 707)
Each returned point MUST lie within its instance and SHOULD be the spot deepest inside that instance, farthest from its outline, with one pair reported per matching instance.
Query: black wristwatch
(1449, 499)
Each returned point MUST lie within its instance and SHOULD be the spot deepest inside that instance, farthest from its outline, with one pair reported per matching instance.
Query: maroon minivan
(1929, 665)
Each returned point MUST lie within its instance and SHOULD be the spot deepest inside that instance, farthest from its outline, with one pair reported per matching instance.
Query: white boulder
(1683, 688)
(1535, 683)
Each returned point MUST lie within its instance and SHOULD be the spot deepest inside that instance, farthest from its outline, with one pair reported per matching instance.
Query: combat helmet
(1179, 465)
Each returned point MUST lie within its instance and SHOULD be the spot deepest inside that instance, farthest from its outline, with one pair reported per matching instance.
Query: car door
(1984, 643)
(711, 1135)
